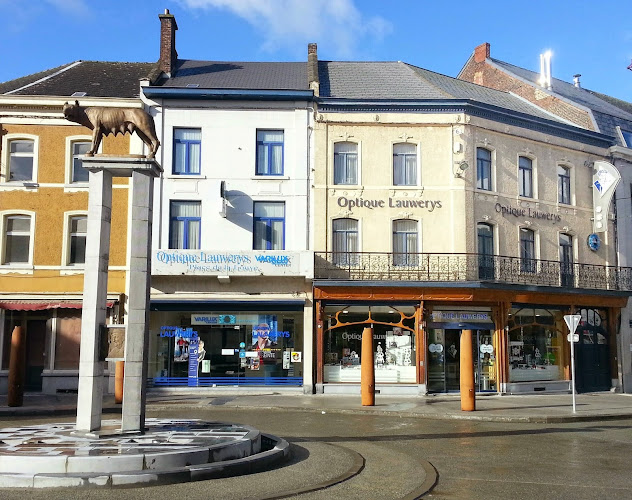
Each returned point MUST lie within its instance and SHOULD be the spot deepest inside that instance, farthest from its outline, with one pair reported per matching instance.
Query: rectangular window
(345, 163)
(345, 242)
(79, 174)
(404, 165)
(527, 251)
(78, 232)
(627, 137)
(483, 169)
(405, 243)
(269, 152)
(17, 239)
(566, 259)
(185, 225)
(269, 226)
(564, 185)
(187, 145)
(525, 176)
(21, 159)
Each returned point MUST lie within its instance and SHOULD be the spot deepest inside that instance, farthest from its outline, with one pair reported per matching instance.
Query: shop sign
(213, 319)
(176, 331)
(605, 180)
(193, 363)
(253, 263)
(460, 316)
(352, 203)
(526, 212)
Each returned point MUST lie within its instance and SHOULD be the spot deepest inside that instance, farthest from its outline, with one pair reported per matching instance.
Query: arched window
(527, 250)
(485, 235)
(345, 163)
(525, 176)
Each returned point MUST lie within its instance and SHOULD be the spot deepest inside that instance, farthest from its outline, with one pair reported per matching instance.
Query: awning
(41, 305)
(193, 305)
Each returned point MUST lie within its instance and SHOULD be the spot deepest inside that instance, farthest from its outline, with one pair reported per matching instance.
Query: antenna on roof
(630, 66)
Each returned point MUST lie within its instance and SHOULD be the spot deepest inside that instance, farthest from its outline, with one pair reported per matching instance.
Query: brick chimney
(168, 54)
(481, 52)
(312, 68)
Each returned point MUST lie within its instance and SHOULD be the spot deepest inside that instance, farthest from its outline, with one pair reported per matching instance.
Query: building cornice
(227, 94)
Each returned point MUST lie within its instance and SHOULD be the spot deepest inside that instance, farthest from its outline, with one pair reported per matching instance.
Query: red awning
(41, 305)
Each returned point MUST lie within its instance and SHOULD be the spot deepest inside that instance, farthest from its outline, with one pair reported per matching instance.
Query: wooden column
(119, 375)
(320, 345)
(420, 345)
(613, 321)
(468, 396)
(17, 367)
(367, 368)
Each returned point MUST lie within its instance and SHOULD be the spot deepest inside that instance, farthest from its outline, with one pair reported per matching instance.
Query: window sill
(19, 186)
(16, 269)
(185, 176)
(69, 270)
(76, 186)
(270, 178)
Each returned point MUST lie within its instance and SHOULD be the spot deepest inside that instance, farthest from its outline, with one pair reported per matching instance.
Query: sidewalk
(537, 408)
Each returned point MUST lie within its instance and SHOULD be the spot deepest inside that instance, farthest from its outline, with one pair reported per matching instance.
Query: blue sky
(588, 37)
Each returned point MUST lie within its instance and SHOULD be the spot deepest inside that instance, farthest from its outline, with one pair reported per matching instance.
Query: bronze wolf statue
(106, 121)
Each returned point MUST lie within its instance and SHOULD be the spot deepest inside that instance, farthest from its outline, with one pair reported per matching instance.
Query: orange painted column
(367, 368)
(17, 368)
(468, 398)
(119, 376)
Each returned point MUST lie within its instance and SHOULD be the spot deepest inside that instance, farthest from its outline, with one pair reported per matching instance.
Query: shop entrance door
(35, 354)
(444, 360)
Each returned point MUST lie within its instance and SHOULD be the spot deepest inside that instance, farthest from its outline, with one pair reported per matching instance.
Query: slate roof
(607, 111)
(239, 75)
(398, 80)
(95, 78)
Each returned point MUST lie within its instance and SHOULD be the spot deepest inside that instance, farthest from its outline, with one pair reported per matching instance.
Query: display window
(229, 347)
(535, 344)
(394, 349)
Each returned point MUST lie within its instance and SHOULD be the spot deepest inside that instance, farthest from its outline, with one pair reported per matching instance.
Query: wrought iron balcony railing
(455, 267)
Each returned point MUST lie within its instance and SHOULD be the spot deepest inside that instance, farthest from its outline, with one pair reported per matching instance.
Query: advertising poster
(193, 362)
(265, 333)
(296, 357)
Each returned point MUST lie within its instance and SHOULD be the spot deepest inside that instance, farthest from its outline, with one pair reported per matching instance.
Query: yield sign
(572, 320)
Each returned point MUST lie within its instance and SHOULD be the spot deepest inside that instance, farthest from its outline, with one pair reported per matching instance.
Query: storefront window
(231, 347)
(393, 343)
(535, 345)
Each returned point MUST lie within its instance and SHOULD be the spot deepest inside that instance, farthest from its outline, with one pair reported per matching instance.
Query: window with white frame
(78, 231)
(404, 164)
(17, 239)
(345, 163)
(269, 225)
(78, 173)
(483, 169)
(563, 185)
(345, 243)
(185, 225)
(21, 160)
(187, 146)
(405, 242)
(527, 250)
(269, 152)
(525, 176)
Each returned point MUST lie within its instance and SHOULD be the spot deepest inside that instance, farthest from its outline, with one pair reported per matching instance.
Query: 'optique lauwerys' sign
(526, 212)
(208, 262)
(351, 203)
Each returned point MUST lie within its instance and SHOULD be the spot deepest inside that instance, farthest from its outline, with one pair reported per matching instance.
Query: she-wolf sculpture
(106, 121)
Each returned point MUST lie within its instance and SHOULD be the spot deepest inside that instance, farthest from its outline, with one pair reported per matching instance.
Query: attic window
(627, 137)
(193, 85)
(78, 94)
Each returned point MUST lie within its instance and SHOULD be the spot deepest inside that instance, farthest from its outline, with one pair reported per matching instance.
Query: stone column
(95, 284)
(137, 333)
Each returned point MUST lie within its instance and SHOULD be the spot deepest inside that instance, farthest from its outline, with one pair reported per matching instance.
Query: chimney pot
(576, 80)
(481, 52)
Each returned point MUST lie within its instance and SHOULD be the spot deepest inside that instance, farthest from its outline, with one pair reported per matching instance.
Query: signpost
(572, 320)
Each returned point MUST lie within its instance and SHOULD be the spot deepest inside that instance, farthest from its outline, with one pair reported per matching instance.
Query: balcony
(455, 267)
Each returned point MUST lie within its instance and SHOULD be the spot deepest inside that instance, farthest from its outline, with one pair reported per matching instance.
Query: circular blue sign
(242, 344)
(594, 242)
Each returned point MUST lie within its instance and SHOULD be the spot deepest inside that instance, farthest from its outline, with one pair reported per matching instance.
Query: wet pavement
(405, 447)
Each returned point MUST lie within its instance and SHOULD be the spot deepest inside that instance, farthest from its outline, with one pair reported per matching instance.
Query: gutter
(227, 94)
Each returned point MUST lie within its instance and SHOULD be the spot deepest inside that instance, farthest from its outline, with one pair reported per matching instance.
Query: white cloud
(336, 24)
